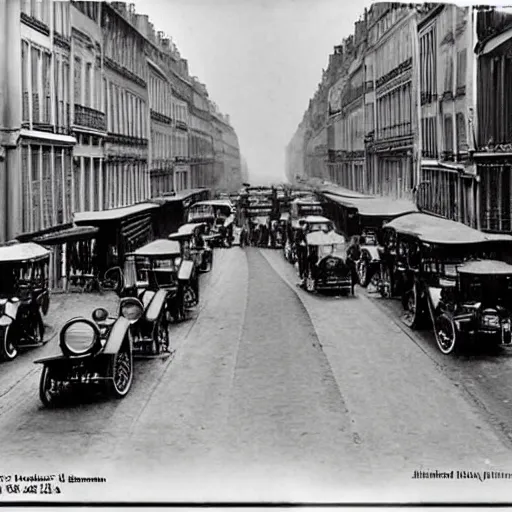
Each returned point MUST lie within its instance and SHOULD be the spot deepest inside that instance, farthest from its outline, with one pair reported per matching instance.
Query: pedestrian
(300, 243)
(353, 255)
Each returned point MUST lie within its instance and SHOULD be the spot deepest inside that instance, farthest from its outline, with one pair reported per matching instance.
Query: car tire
(363, 271)
(414, 310)
(48, 397)
(121, 372)
(386, 283)
(8, 349)
(447, 337)
(310, 283)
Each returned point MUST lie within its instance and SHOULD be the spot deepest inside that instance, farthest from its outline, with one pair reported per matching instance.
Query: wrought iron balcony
(90, 118)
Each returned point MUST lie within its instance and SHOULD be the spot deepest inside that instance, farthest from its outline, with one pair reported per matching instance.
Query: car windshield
(320, 226)
(334, 249)
(200, 211)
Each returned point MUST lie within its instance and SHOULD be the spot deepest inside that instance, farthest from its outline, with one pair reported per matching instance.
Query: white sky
(261, 61)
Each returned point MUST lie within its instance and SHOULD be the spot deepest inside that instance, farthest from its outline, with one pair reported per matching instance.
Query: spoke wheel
(189, 297)
(162, 335)
(385, 283)
(413, 312)
(8, 350)
(362, 272)
(310, 283)
(121, 373)
(446, 334)
(48, 388)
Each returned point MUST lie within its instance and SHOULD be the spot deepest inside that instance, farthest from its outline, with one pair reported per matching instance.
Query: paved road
(273, 394)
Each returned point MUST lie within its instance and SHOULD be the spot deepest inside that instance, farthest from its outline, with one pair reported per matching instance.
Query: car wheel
(310, 283)
(8, 348)
(162, 334)
(447, 337)
(413, 308)
(386, 284)
(362, 272)
(48, 392)
(121, 372)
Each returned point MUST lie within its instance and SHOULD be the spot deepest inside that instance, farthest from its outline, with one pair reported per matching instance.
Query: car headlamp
(79, 337)
(131, 309)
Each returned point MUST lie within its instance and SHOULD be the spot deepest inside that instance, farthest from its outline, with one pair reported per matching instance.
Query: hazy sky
(261, 61)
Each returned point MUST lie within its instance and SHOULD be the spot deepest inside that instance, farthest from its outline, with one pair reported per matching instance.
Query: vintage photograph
(255, 251)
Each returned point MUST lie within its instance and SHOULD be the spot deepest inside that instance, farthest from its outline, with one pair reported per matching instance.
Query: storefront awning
(112, 214)
(68, 234)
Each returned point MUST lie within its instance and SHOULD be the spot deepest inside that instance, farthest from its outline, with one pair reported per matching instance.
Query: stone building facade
(95, 114)
(436, 115)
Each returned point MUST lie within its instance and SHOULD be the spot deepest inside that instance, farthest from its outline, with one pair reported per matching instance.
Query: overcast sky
(261, 61)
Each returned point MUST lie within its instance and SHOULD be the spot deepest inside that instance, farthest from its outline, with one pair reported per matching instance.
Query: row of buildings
(417, 103)
(98, 111)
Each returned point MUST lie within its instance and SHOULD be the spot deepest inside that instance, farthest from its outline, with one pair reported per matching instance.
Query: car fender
(6, 320)
(10, 313)
(372, 251)
(116, 336)
(156, 305)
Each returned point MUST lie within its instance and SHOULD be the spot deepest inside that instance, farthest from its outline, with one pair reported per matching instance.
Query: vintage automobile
(309, 224)
(259, 230)
(447, 272)
(326, 265)
(195, 244)
(95, 352)
(24, 297)
(277, 231)
(364, 216)
(167, 285)
(220, 217)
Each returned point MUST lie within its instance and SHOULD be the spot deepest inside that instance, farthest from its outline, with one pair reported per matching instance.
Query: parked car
(220, 217)
(164, 281)
(326, 264)
(364, 216)
(24, 297)
(309, 224)
(95, 352)
(195, 244)
(450, 274)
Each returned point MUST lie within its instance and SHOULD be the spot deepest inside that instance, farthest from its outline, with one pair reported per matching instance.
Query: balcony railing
(90, 118)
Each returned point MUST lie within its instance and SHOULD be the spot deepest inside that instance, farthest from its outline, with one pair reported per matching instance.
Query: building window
(448, 76)
(36, 107)
(25, 80)
(461, 72)
(88, 81)
(462, 143)
(448, 137)
(47, 88)
(78, 81)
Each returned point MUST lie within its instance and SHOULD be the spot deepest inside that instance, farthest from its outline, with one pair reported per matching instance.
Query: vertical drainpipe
(10, 121)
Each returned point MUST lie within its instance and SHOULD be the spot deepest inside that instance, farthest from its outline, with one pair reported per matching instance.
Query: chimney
(142, 23)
